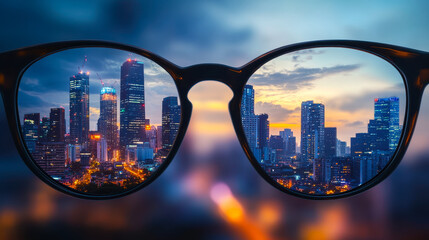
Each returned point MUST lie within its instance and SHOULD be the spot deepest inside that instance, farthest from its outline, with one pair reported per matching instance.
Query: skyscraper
(79, 108)
(387, 110)
(132, 105)
(248, 118)
(170, 121)
(330, 142)
(107, 123)
(290, 141)
(31, 130)
(44, 129)
(57, 125)
(263, 135)
(312, 131)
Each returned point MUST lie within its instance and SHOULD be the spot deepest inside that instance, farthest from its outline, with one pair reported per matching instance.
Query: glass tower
(79, 108)
(132, 105)
(312, 131)
(248, 118)
(107, 123)
(170, 121)
(387, 110)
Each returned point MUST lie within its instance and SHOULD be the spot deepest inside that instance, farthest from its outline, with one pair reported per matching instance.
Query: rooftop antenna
(80, 69)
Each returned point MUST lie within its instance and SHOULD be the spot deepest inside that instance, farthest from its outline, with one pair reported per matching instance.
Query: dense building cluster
(322, 164)
(110, 159)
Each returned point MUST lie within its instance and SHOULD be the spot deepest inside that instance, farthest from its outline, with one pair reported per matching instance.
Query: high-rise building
(170, 121)
(107, 123)
(57, 125)
(79, 108)
(31, 130)
(44, 129)
(378, 131)
(263, 135)
(341, 170)
(322, 170)
(312, 131)
(387, 110)
(248, 118)
(360, 145)
(276, 146)
(158, 138)
(151, 136)
(132, 105)
(289, 140)
(330, 142)
(341, 148)
(51, 156)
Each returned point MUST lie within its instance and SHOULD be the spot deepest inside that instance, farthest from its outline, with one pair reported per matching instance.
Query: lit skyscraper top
(107, 123)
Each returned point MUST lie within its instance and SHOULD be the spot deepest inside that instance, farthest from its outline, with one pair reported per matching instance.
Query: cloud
(365, 101)
(355, 124)
(276, 113)
(300, 77)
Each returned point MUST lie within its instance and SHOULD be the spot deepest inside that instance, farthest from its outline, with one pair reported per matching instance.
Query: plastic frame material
(412, 64)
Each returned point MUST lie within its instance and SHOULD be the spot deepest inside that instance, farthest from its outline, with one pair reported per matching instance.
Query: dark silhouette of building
(51, 156)
(263, 136)
(330, 142)
(57, 125)
(44, 129)
(170, 121)
(289, 140)
(31, 130)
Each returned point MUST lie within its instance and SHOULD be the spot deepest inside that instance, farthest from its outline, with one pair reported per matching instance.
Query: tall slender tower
(170, 121)
(312, 131)
(387, 110)
(57, 125)
(248, 118)
(107, 123)
(31, 130)
(132, 105)
(79, 108)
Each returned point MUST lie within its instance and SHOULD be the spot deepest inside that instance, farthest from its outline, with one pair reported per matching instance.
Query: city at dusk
(104, 135)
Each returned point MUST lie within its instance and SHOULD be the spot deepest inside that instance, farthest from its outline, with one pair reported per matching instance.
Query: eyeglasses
(318, 120)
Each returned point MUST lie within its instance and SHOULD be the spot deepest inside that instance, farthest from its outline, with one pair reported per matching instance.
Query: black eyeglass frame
(413, 65)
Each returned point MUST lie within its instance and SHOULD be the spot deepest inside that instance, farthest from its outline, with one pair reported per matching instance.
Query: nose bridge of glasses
(232, 77)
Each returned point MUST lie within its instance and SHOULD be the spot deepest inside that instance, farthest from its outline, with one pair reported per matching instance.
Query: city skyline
(41, 89)
(124, 149)
(324, 163)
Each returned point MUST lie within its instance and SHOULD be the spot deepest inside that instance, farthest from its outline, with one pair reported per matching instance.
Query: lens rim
(167, 66)
(402, 59)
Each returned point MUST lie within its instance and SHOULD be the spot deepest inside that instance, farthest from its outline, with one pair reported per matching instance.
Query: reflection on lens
(100, 121)
(325, 120)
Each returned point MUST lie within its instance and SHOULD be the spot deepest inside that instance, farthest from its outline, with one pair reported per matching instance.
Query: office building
(132, 104)
(107, 123)
(312, 131)
(170, 121)
(79, 108)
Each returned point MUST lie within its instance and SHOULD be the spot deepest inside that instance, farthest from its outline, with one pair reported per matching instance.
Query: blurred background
(210, 190)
